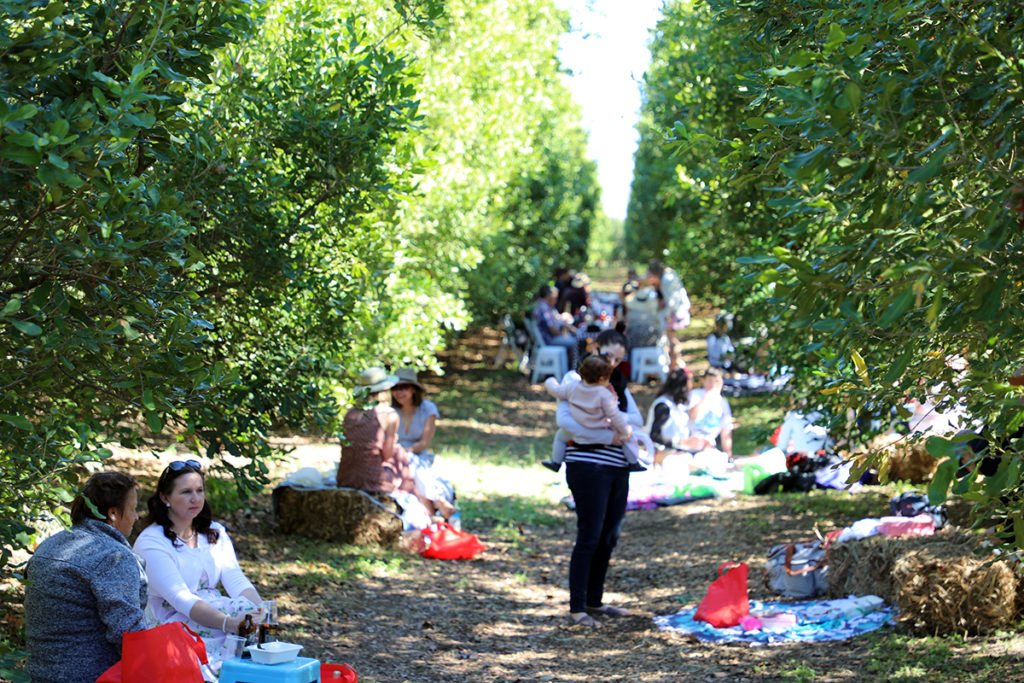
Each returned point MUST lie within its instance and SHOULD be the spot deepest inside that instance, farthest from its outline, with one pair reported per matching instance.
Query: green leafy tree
(510, 192)
(882, 136)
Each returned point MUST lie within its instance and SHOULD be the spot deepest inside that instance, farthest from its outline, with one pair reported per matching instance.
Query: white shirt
(714, 417)
(800, 434)
(718, 347)
(175, 573)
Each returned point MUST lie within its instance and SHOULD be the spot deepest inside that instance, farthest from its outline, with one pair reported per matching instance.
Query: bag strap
(790, 549)
(197, 644)
(730, 565)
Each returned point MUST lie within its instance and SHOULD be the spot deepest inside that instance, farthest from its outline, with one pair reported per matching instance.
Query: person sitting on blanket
(709, 412)
(668, 421)
(187, 555)
(594, 405)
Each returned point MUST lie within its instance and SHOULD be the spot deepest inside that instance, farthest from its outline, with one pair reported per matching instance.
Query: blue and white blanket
(809, 627)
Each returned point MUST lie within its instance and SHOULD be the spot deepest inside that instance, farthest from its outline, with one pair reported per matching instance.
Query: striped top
(596, 454)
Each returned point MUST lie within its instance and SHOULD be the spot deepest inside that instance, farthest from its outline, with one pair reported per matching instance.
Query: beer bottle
(247, 630)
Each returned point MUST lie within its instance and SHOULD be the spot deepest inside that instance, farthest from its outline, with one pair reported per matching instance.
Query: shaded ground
(502, 616)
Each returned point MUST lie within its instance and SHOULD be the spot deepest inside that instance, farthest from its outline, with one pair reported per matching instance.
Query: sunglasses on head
(179, 465)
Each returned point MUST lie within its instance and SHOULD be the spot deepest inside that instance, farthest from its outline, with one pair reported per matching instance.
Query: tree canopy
(854, 169)
(216, 213)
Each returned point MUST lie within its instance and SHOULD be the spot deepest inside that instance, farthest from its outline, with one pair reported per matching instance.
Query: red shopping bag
(726, 602)
(169, 653)
(343, 673)
(449, 543)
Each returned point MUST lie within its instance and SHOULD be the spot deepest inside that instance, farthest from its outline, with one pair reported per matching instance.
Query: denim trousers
(599, 492)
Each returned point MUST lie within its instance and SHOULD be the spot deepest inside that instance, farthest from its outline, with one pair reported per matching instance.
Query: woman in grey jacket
(85, 587)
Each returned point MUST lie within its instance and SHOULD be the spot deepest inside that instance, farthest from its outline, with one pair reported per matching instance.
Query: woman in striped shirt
(598, 477)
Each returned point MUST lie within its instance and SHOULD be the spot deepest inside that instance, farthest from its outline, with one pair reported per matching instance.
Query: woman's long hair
(157, 509)
(676, 386)
(104, 490)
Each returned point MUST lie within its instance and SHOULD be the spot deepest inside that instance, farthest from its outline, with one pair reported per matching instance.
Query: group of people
(86, 586)
(386, 447)
(601, 428)
(650, 312)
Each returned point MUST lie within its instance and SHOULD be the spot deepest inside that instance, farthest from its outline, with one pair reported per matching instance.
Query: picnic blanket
(653, 488)
(813, 624)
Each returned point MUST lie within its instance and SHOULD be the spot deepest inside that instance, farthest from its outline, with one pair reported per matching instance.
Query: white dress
(179, 576)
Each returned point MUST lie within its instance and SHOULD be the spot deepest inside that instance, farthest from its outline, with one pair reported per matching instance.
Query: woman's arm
(633, 415)
(423, 443)
(117, 589)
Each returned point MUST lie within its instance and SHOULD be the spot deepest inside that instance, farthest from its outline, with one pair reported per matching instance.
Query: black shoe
(552, 465)
(636, 467)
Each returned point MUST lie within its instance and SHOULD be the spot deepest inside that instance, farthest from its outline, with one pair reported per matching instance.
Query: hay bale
(911, 462)
(938, 582)
(955, 595)
(342, 515)
(864, 567)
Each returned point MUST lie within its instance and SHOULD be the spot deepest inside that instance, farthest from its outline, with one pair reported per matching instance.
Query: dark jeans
(599, 492)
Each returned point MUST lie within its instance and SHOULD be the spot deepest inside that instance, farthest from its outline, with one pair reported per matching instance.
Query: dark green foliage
(875, 144)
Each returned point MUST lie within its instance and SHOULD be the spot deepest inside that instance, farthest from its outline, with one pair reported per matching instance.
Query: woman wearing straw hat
(371, 458)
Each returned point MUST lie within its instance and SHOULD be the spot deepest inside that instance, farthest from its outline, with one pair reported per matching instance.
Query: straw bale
(341, 515)
(955, 595)
(911, 462)
(939, 584)
(864, 567)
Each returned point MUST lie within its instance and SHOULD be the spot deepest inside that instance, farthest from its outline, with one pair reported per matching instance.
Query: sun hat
(373, 380)
(408, 376)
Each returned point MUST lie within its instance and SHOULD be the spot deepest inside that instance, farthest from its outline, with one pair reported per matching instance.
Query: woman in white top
(187, 556)
(668, 420)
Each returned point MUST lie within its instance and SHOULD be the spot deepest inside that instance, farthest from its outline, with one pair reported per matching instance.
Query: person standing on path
(598, 477)
(675, 308)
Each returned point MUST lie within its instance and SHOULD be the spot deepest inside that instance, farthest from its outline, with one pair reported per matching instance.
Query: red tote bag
(169, 653)
(727, 601)
(449, 543)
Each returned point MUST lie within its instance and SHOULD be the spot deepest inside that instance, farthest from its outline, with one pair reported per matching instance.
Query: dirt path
(503, 615)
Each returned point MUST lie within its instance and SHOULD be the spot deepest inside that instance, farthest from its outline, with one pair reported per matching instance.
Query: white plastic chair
(545, 359)
(647, 361)
(511, 345)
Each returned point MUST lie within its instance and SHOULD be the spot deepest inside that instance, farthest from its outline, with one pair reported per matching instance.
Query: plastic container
(274, 653)
(342, 673)
(752, 475)
(776, 620)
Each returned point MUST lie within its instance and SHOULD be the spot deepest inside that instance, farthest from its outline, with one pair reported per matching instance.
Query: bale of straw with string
(940, 583)
(342, 515)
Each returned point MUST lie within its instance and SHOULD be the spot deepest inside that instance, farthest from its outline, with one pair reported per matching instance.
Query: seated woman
(187, 556)
(668, 419)
(553, 328)
(84, 587)
(372, 460)
(417, 420)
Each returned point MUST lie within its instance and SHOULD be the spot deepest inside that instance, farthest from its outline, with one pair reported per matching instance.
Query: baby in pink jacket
(594, 405)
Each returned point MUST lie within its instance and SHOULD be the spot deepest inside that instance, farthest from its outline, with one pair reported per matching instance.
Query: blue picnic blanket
(806, 629)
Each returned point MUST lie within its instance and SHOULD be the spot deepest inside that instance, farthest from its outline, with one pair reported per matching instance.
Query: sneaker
(552, 465)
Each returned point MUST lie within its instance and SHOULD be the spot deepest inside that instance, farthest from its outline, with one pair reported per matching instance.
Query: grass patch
(497, 511)
(836, 506)
(301, 564)
(756, 418)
